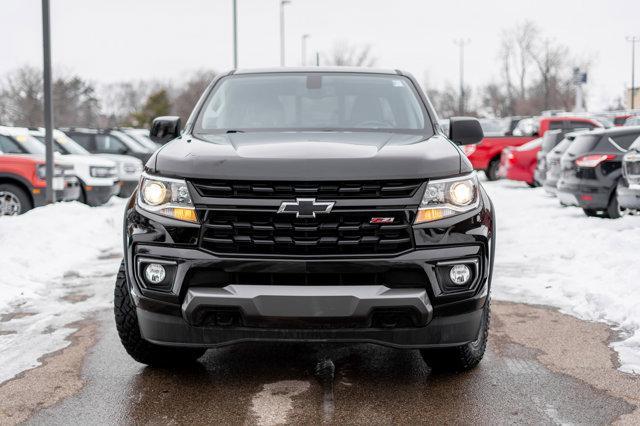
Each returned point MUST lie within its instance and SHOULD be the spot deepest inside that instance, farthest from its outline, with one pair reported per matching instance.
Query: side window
(556, 125)
(110, 144)
(83, 140)
(625, 141)
(574, 125)
(9, 146)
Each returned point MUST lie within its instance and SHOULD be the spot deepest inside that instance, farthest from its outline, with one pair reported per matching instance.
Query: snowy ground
(58, 263)
(586, 266)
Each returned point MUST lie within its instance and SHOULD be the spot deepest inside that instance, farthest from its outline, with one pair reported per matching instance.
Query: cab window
(110, 144)
(9, 146)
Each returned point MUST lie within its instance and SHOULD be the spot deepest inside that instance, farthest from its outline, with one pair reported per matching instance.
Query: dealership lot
(547, 255)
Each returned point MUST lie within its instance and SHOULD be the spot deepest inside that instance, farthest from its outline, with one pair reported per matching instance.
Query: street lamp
(282, 5)
(48, 103)
(235, 34)
(633, 40)
(303, 47)
(461, 43)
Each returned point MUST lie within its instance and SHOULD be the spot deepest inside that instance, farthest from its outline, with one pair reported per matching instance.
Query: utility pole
(317, 59)
(461, 43)
(235, 34)
(282, 5)
(48, 104)
(303, 49)
(633, 40)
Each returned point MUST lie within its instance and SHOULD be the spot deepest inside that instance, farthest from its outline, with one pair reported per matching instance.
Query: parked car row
(581, 159)
(90, 166)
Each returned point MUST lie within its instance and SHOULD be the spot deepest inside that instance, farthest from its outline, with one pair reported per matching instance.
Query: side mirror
(165, 129)
(465, 130)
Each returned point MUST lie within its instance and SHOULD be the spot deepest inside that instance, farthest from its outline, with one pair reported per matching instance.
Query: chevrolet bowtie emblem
(306, 207)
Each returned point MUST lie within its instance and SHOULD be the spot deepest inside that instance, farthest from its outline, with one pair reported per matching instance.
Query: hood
(120, 159)
(309, 156)
(88, 160)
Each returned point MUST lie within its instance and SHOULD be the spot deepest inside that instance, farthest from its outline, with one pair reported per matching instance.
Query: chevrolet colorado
(311, 204)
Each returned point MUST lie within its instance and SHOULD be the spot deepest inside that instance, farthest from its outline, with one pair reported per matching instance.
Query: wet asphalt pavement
(305, 383)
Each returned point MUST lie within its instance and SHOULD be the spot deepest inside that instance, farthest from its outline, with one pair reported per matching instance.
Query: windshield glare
(30, 144)
(65, 145)
(313, 101)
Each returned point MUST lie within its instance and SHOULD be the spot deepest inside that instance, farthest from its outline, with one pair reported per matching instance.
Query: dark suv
(105, 141)
(629, 185)
(591, 169)
(315, 205)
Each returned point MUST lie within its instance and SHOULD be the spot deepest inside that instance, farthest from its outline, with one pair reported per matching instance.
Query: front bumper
(126, 187)
(213, 300)
(99, 195)
(628, 196)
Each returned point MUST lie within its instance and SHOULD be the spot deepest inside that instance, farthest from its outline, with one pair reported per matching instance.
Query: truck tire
(464, 357)
(139, 349)
(590, 212)
(13, 200)
(613, 210)
(492, 169)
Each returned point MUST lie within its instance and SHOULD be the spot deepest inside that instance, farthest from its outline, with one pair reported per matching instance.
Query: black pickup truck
(311, 204)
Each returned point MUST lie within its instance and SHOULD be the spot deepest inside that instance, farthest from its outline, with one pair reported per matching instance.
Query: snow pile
(57, 266)
(38, 247)
(586, 266)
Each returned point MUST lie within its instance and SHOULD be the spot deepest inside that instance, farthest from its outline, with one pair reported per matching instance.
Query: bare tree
(185, 97)
(21, 97)
(74, 100)
(344, 54)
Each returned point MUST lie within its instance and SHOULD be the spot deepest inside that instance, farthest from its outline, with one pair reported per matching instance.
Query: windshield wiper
(234, 131)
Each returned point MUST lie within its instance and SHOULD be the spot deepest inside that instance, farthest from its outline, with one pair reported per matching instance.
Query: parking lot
(542, 366)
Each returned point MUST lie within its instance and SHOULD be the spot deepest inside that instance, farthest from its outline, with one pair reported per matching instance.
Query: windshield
(122, 138)
(313, 101)
(30, 144)
(66, 145)
(582, 144)
(494, 126)
(526, 127)
(141, 136)
(550, 139)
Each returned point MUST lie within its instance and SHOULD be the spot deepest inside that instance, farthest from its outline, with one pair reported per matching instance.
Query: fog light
(460, 274)
(154, 273)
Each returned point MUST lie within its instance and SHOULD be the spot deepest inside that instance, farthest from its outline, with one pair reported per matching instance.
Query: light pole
(633, 40)
(303, 49)
(282, 5)
(48, 104)
(461, 43)
(235, 34)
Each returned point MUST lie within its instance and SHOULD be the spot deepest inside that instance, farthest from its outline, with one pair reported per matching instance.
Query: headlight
(42, 171)
(166, 197)
(131, 168)
(102, 171)
(448, 197)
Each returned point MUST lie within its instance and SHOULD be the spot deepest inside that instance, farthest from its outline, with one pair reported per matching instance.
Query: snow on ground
(586, 266)
(57, 265)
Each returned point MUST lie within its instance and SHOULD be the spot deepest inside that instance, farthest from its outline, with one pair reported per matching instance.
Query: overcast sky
(111, 40)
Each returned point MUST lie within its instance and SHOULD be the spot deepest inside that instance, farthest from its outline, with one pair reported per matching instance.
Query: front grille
(347, 232)
(325, 190)
(553, 162)
(632, 168)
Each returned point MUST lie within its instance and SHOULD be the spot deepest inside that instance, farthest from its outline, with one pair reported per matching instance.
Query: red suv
(23, 185)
